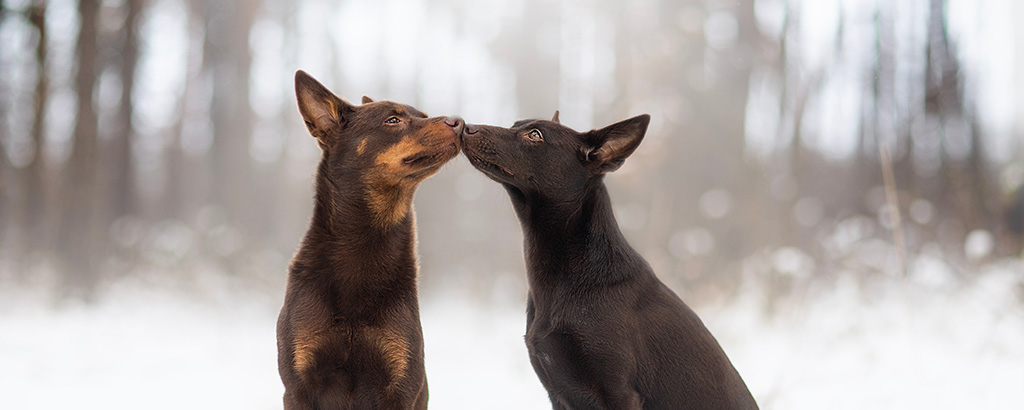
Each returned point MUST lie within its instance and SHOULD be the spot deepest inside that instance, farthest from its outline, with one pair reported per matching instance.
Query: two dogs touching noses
(602, 331)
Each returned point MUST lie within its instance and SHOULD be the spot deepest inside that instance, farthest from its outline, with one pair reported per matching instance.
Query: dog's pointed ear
(607, 148)
(323, 112)
(367, 100)
(554, 118)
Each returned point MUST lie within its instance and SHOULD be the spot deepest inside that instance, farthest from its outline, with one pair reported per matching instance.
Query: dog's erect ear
(367, 100)
(554, 118)
(607, 148)
(322, 111)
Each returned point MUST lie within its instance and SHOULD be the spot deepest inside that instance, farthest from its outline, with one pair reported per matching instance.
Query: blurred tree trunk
(714, 143)
(122, 184)
(801, 85)
(864, 164)
(178, 200)
(732, 121)
(771, 227)
(34, 222)
(882, 113)
(941, 103)
(967, 178)
(80, 236)
(172, 200)
(6, 171)
(227, 57)
(985, 197)
(6, 200)
(276, 173)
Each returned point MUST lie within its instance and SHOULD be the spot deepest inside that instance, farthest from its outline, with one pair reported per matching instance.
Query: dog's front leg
(577, 381)
(625, 400)
(623, 397)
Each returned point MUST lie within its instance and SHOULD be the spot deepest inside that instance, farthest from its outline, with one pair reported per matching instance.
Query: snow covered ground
(843, 344)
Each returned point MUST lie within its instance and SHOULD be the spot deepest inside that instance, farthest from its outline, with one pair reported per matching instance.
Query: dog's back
(699, 370)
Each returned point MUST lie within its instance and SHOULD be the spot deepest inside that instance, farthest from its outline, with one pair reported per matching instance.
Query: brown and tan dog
(349, 334)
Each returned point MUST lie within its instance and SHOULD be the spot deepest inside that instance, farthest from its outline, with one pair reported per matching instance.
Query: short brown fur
(349, 335)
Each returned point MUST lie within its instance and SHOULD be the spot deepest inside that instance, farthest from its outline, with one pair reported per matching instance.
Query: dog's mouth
(429, 160)
(495, 172)
(478, 150)
(488, 167)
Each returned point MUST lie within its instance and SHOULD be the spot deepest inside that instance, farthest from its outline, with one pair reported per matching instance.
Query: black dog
(349, 334)
(603, 332)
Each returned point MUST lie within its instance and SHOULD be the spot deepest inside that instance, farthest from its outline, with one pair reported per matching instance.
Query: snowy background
(938, 339)
(835, 186)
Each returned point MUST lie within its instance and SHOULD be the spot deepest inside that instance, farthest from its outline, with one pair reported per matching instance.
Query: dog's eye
(392, 120)
(535, 135)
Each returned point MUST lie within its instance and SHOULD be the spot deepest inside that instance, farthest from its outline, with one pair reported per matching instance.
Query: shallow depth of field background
(155, 178)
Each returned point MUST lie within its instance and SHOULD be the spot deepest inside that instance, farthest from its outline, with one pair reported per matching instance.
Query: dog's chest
(364, 352)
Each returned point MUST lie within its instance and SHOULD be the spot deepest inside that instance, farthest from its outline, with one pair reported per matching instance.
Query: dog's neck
(344, 210)
(575, 241)
(344, 245)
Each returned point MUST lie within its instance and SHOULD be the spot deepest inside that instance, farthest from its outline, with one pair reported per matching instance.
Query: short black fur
(602, 331)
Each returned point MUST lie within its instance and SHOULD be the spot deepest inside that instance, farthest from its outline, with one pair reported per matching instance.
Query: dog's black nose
(472, 129)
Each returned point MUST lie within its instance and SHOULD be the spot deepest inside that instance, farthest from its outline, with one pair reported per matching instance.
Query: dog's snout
(472, 129)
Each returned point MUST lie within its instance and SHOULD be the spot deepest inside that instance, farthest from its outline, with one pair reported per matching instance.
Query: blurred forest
(159, 139)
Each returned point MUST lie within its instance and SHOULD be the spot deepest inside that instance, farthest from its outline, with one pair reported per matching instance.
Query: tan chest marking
(304, 348)
(393, 349)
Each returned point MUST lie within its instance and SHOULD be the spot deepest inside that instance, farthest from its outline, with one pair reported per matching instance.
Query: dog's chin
(514, 192)
(426, 164)
(494, 172)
